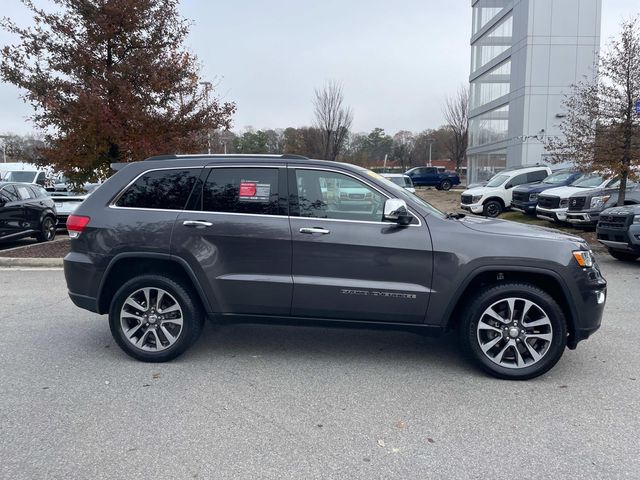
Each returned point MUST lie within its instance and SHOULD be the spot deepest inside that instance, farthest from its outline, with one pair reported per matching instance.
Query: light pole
(207, 87)
(430, 140)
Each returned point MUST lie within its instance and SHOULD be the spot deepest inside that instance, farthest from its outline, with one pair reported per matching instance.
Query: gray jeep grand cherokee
(166, 242)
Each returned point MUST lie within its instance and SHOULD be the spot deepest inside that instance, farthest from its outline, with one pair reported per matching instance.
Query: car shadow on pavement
(297, 343)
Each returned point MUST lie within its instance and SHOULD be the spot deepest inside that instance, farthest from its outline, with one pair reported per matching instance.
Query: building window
(490, 127)
(495, 42)
(484, 14)
(491, 86)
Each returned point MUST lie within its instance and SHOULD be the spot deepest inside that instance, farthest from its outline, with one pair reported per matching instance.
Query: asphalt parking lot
(276, 402)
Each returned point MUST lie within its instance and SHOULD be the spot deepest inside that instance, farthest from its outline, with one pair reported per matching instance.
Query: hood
(535, 188)
(566, 192)
(480, 190)
(515, 229)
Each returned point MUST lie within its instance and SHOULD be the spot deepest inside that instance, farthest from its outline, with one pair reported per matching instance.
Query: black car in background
(26, 210)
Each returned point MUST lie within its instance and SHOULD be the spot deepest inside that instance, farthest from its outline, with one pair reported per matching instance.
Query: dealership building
(525, 54)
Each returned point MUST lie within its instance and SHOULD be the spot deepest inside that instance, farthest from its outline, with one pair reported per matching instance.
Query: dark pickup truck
(619, 231)
(584, 208)
(429, 177)
(525, 197)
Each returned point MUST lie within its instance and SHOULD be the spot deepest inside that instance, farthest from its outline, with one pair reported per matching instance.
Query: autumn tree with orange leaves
(110, 81)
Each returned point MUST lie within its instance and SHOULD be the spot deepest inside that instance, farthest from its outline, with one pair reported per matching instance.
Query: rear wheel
(445, 185)
(47, 230)
(624, 256)
(514, 331)
(492, 208)
(154, 318)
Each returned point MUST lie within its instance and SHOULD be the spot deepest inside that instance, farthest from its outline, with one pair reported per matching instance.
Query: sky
(396, 59)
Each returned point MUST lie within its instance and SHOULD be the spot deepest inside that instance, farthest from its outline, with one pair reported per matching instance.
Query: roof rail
(286, 156)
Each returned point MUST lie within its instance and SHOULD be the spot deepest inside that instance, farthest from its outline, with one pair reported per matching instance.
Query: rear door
(348, 263)
(235, 235)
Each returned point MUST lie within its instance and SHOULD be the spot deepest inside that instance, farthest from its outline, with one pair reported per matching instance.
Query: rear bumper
(83, 280)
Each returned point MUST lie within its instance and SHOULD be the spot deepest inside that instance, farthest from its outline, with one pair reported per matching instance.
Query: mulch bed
(55, 249)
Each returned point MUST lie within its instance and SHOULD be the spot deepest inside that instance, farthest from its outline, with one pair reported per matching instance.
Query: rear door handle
(312, 230)
(197, 223)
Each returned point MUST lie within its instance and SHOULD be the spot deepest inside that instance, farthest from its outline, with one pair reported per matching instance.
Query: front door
(235, 234)
(11, 213)
(348, 263)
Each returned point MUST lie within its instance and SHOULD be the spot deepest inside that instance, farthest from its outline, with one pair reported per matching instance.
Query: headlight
(598, 202)
(584, 258)
(476, 198)
(636, 219)
(564, 203)
(533, 197)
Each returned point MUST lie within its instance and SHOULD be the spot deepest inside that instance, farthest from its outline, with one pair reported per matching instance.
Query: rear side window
(537, 176)
(161, 190)
(242, 190)
(9, 194)
(25, 192)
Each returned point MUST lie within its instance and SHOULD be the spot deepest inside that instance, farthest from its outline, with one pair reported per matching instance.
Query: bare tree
(601, 130)
(456, 115)
(332, 119)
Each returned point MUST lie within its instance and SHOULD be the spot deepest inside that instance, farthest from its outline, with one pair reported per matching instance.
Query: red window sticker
(247, 189)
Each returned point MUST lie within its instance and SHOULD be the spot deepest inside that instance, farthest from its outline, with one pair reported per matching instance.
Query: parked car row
(28, 210)
(581, 199)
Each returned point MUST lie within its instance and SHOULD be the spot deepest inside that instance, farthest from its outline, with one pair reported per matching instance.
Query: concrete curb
(30, 262)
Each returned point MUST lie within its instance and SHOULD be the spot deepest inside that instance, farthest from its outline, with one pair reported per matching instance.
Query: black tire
(492, 209)
(469, 336)
(47, 231)
(192, 317)
(624, 256)
(446, 185)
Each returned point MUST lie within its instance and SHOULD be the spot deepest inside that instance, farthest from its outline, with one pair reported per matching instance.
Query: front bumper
(552, 215)
(524, 207)
(589, 303)
(476, 208)
(627, 240)
(583, 218)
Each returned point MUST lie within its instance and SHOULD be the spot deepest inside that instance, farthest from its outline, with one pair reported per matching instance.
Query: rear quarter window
(160, 190)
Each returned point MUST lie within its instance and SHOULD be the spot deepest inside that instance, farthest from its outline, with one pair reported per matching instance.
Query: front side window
(497, 181)
(519, 180)
(242, 190)
(160, 190)
(333, 195)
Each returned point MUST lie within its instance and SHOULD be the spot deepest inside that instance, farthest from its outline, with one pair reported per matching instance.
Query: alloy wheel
(48, 229)
(151, 319)
(514, 333)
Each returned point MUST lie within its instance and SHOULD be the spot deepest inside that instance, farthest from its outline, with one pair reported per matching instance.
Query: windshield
(556, 178)
(497, 180)
(588, 181)
(23, 177)
(403, 194)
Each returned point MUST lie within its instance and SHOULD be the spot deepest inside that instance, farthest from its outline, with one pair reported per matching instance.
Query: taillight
(76, 225)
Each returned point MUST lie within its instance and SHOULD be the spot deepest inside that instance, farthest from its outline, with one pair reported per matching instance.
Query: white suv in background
(554, 203)
(494, 197)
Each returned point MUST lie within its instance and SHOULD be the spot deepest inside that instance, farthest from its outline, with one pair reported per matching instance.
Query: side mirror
(508, 186)
(395, 210)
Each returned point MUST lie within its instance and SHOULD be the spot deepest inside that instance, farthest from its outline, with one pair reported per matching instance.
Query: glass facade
(493, 43)
(491, 86)
(483, 166)
(490, 127)
(482, 16)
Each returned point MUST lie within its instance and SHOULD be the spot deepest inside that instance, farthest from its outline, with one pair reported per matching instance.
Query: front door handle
(311, 230)
(197, 223)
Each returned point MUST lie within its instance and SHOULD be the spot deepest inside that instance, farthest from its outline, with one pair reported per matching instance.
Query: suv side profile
(493, 198)
(431, 177)
(167, 242)
(26, 211)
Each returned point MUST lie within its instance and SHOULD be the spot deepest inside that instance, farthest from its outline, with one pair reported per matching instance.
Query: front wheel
(153, 318)
(624, 256)
(47, 231)
(514, 331)
(492, 208)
